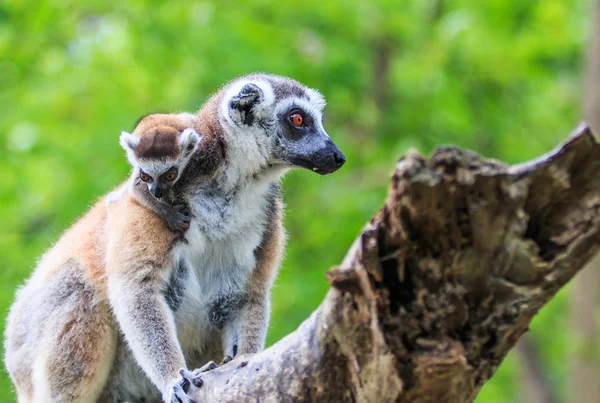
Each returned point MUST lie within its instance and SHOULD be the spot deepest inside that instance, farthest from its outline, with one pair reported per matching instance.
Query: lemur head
(159, 148)
(280, 121)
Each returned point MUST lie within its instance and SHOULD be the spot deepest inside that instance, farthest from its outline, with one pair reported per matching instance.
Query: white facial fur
(250, 147)
(314, 107)
(261, 110)
(129, 142)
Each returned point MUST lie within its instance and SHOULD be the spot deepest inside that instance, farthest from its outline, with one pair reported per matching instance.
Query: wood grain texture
(440, 284)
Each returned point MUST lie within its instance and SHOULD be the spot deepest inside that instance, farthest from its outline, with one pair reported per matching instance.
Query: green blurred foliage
(501, 77)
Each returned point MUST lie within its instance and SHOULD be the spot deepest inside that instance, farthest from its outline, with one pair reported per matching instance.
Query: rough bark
(440, 284)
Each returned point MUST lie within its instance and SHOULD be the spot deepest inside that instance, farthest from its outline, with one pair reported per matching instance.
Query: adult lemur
(121, 302)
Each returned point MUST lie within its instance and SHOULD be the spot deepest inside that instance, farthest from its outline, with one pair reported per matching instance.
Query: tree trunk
(584, 367)
(440, 284)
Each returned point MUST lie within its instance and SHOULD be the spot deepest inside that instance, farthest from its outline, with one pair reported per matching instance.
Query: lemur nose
(339, 158)
(157, 193)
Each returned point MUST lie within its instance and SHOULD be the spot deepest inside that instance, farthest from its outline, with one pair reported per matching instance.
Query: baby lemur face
(160, 155)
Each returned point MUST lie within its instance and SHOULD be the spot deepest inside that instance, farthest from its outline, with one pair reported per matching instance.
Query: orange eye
(297, 119)
(170, 176)
(145, 177)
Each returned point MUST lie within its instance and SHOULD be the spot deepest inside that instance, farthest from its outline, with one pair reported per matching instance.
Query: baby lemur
(121, 305)
(159, 149)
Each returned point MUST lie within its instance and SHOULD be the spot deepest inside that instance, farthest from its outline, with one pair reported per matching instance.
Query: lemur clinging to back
(121, 302)
(159, 148)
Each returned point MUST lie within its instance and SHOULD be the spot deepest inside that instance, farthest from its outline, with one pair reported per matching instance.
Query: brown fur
(158, 135)
(77, 348)
(154, 121)
(213, 148)
(268, 254)
(79, 334)
(137, 244)
(146, 237)
(159, 143)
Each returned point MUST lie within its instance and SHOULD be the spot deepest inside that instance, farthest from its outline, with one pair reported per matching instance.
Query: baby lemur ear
(249, 103)
(129, 142)
(188, 142)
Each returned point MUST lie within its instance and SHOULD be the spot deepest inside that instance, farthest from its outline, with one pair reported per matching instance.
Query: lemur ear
(243, 105)
(188, 142)
(129, 142)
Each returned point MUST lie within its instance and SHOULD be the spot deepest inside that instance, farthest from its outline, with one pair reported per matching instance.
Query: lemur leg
(76, 350)
(246, 331)
(243, 333)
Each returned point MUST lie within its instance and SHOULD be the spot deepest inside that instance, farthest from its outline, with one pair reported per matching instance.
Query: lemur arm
(149, 328)
(176, 216)
(138, 260)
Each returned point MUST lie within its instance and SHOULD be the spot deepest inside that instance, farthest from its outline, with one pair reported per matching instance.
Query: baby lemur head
(275, 122)
(159, 148)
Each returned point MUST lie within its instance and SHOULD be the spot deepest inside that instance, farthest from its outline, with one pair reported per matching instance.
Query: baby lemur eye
(297, 119)
(145, 177)
(170, 176)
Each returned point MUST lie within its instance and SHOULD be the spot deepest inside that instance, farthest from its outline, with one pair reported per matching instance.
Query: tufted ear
(188, 142)
(246, 104)
(129, 142)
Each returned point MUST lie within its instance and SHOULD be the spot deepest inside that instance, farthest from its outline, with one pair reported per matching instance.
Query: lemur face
(301, 139)
(160, 156)
(159, 181)
(287, 117)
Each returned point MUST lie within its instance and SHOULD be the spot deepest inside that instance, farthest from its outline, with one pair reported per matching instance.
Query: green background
(501, 77)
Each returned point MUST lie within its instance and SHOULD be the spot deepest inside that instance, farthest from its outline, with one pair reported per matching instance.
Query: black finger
(198, 382)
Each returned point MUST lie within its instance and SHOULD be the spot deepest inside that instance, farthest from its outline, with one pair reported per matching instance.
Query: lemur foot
(193, 377)
(209, 366)
(178, 218)
(177, 390)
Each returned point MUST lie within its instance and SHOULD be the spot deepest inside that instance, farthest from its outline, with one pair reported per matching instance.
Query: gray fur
(206, 306)
(176, 216)
(44, 312)
(232, 207)
(176, 287)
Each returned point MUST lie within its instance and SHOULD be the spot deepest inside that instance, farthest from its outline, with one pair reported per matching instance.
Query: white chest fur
(226, 228)
(218, 255)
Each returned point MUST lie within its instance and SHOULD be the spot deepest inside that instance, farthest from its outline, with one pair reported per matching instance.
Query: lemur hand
(176, 391)
(178, 217)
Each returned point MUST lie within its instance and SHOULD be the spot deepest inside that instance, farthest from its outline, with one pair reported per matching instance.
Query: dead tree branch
(440, 284)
